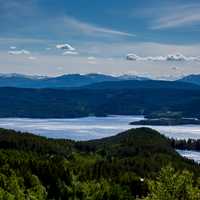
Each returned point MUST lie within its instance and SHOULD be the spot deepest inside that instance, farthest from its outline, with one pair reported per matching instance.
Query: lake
(194, 155)
(88, 128)
(85, 128)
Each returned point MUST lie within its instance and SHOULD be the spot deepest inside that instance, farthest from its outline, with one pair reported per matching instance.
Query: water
(92, 127)
(88, 128)
(193, 155)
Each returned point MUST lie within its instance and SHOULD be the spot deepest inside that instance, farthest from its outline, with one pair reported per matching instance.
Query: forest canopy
(130, 165)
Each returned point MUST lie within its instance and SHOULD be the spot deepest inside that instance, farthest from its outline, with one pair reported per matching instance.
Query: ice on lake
(88, 128)
(193, 155)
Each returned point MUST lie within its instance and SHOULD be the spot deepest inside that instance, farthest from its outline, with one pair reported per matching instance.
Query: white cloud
(47, 65)
(19, 52)
(170, 57)
(70, 53)
(47, 62)
(180, 57)
(135, 57)
(65, 47)
(90, 29)
(132, 56)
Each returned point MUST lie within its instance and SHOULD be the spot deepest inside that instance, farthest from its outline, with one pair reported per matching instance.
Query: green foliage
(102, 190)
(189, 144)
(174, 186)
(114, 168)
(15, 187)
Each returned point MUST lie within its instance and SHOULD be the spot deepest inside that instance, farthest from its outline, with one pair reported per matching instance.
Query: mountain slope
(58, 103)
(118, 167)
(194, 78)
(141, 139)
(64, 81)
(148, 84)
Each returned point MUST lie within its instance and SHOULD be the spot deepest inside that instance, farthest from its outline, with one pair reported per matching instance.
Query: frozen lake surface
(88, 128)
(85, 128)
(193, 155)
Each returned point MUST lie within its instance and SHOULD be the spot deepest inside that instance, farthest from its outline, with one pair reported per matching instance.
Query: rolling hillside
(127, 100)
(147, 84)
(194, 78)
(114, 168)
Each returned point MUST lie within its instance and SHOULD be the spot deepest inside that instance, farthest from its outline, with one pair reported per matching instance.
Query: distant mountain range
(75, 95)
(64, 81)
(79, 80)
(193, 78)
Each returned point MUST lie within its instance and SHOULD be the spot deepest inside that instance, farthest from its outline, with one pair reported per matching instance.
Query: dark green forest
(136, 164)
(130, 100)
(189, 144)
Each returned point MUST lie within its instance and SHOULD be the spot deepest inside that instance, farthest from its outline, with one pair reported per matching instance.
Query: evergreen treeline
(122, 167)
(62, 103)
(190, 144)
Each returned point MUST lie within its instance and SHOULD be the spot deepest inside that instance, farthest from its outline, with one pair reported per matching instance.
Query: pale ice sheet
(193, 155)
(92, 127)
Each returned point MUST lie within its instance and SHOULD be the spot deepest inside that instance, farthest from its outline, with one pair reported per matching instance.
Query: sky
(158, 39)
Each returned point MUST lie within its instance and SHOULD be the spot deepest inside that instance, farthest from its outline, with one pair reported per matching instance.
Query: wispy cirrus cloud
(91, 29)
(176, 16)
(23, 16)
(170, 15)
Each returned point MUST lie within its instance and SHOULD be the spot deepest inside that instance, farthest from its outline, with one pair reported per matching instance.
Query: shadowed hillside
(133, 100)
(113, 168)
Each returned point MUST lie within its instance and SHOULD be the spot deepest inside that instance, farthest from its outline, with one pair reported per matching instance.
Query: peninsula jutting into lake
(167, 122)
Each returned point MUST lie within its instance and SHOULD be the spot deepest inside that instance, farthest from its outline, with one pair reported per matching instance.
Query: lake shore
(167, 122)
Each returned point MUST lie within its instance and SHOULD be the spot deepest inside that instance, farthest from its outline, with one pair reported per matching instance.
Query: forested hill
(114, 168)
(57, 103)
(133, 140)
(148, 84)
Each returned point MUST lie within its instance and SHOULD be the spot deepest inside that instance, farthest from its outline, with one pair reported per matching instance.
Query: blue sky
(102, 34)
